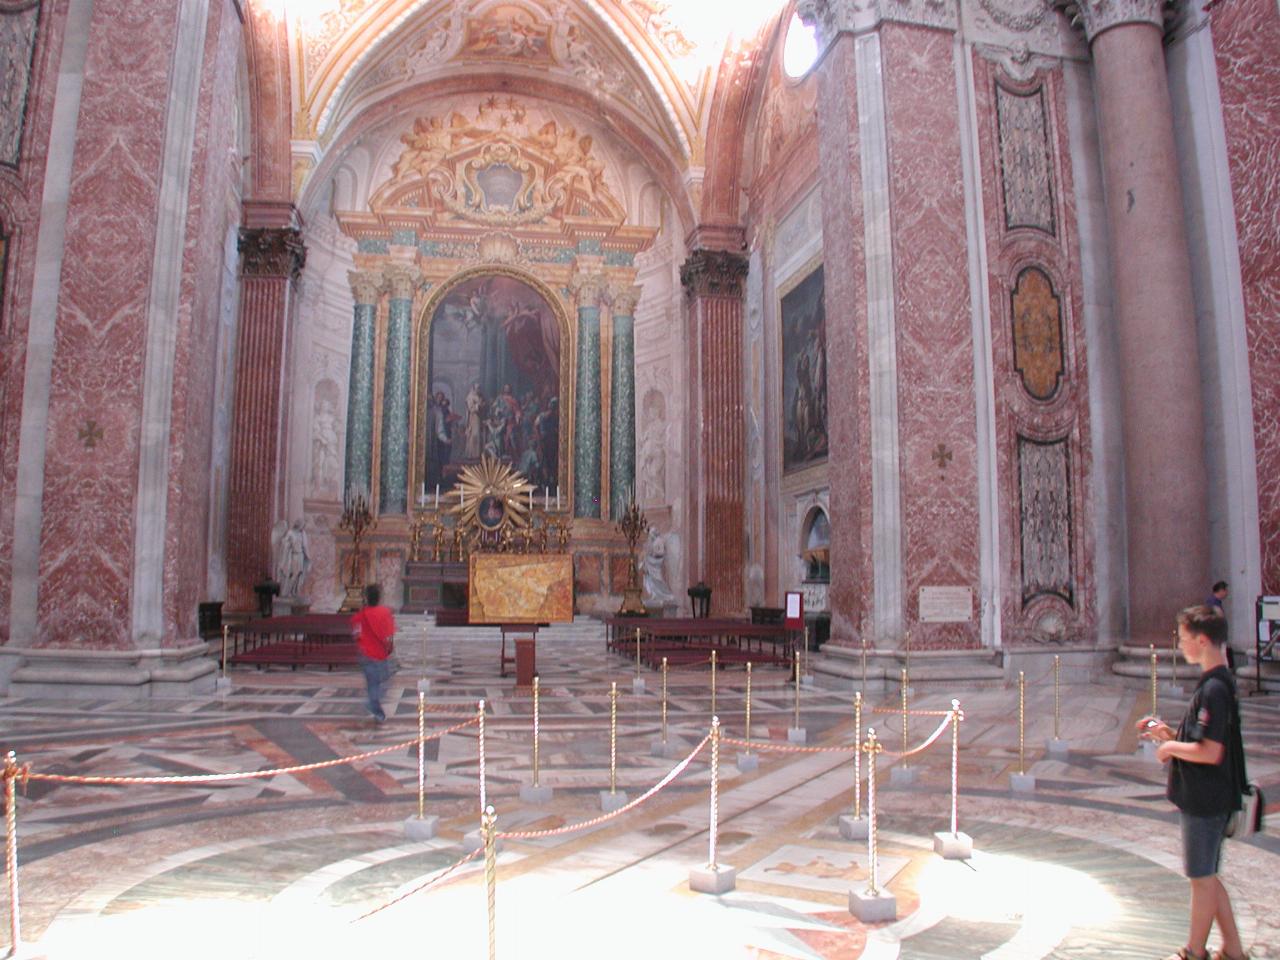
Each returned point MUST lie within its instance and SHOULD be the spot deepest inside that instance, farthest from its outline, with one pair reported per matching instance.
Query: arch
(815, 544)
(422, 386)
(270, 101)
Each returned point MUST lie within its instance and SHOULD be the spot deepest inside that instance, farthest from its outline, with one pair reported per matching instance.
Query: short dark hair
(373, 595)
(1204, 621)
(1220, 585)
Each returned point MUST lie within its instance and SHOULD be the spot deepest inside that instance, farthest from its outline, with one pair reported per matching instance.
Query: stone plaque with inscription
(521, 588)
(946, 604)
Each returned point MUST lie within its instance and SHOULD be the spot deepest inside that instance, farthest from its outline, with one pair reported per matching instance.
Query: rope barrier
(248, 775)
(847, 748)
(897, 711)
(422, 886)
(678, 769)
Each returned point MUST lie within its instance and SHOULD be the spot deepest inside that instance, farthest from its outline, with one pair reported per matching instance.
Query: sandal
(1186, 953)
(1223, 955)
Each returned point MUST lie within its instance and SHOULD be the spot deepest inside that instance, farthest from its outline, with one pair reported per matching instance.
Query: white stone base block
(797, 735)
(637, 685)
(424, 829)
(953, 846)
(222, 684)
(748, 763)
(1058, 749)
(706, 880)
(873, 907)
(901, 776)
(424, 686)
(535, 796)
(475, 841)
(853, 828)
(610, 802)
(1022, 782)
(806, 680)
(659, 749)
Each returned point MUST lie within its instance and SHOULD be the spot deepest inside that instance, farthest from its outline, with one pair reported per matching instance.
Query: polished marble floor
(290, 865)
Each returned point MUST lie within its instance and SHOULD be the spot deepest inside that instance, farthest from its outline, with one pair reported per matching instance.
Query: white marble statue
(293, 557)
(656, 591)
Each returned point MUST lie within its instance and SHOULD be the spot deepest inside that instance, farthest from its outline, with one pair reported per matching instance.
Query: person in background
(1201, 781)
(1217, 596)
(374, 628)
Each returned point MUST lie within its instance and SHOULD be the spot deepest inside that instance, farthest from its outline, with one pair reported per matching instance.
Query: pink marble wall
(20, 194)
(848, 420)
(934, 328)
(100, 340)
(1066, 414)
(1246, 36)
(213, 207)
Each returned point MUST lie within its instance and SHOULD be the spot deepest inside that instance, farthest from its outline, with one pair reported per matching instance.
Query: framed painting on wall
(804, 373)
(492, 368)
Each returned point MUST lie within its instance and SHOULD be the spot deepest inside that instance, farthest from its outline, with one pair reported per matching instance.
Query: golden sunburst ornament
(491, 495)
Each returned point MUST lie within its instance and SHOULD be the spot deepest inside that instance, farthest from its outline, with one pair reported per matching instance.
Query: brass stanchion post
(11, 773)
(534, 793)
(954, 845)
(422, 754)
(613, 737)
(1057, 694)
(857, 756)
(226, 629)
(1022, 722)
(1173, 659)
(747, 761)
(1155, 682)
(746, 723)
(713, 683)
(871, 904)
(638, 655)
(905, 719)
(804, 651)
(714, 877)
(797, 733)
(664, 701)
(535, 731)
(490, 823)
(864, 662)
(483, 789)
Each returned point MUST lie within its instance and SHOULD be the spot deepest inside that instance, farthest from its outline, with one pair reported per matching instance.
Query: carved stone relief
(1047, 536)
(1025, 164)
(654, 442)
(18, 25)
(326, 441)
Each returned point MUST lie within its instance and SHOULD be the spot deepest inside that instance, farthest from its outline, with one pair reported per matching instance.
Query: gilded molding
(366, 285)
(713, 273)
(271, 252)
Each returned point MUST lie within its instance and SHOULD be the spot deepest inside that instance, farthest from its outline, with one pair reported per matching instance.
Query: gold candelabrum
(632, 526)
(359, 519)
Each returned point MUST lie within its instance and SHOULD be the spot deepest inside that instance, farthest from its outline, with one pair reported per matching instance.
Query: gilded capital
(402, 280)
(713, 273)
(830, 18)
(589, 289)
(625, 298)
(366, 285)
(1095, 16)
(271, 252)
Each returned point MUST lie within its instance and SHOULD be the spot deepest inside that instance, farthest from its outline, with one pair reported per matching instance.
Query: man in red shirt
(374, 628)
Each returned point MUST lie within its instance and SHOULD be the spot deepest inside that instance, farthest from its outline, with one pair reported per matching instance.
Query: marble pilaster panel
(1245, 38)
(934, 329)
(713, 282)
(394, 475)
(622, 405)
(271, 258)
(587, 425)
(1166, 495)
(358, 473)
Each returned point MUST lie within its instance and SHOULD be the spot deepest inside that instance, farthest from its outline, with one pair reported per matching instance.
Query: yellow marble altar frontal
(521, 588)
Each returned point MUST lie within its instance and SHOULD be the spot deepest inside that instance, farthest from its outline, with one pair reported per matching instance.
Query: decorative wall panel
(1044, 480)
(18, 22)
(1025, 164)
(1037, 334)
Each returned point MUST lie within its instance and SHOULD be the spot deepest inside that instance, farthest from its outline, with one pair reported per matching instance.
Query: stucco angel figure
(293, 556)
(656, 590)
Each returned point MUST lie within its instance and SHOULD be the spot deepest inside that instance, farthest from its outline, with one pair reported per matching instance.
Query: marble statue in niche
(326, 450)
(657, 592)
(804, 373)
(493, 372)
(653, 448)
(1044, 474)
(17, 46)
(293, 557)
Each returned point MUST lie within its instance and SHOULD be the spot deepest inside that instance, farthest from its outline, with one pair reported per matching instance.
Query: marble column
(622, 404)
(713, 283)
(589, 292)
(271, 259)
(1166, 489)
(393, 483)
(366, 287)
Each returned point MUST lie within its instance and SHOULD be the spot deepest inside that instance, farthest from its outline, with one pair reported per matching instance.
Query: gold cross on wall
(942, 456)
(90, 433)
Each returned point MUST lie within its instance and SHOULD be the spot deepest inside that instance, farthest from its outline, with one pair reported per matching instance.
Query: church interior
(529, 311)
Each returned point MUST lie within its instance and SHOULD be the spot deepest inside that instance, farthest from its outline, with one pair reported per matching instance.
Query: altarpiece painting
(492, 384)
(804, 373)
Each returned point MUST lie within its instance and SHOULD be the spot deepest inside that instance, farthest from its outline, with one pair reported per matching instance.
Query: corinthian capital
(713, 273)
(1095, 16)
(272, 252)
(402, 280)
(625, 298)
(366, 285)
(589, 288)
(829, 18)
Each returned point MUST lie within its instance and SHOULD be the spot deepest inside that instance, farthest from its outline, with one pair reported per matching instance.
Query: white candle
(531, 499)
(422, 493)
(557, 496)
(546, 498)
(437, 496)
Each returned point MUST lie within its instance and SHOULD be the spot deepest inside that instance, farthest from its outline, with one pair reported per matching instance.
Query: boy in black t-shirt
(1201, 784)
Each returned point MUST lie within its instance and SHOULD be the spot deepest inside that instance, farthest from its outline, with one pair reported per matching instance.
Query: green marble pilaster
(586, 452)
(359, 454)
(622, 419)
(393, 481)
